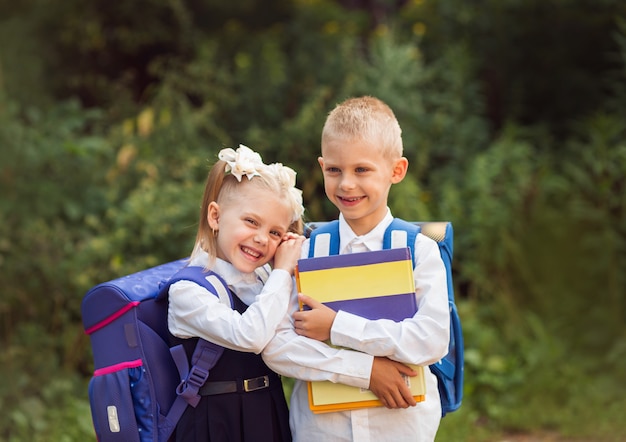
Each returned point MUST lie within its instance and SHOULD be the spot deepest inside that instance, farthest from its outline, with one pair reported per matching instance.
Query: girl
(251, 214)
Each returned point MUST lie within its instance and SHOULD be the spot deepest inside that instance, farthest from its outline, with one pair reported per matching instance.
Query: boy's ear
(213, 215)
(399, 170)
(320, 160)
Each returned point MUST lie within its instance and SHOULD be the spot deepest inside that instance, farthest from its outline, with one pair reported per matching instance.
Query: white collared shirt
(194, 312)
(422, 340)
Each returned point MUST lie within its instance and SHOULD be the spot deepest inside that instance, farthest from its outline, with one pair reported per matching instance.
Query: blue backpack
(141, 386)
(449, 370)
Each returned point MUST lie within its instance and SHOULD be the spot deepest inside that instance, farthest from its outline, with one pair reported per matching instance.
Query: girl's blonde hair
(365, 118)
(222, 184)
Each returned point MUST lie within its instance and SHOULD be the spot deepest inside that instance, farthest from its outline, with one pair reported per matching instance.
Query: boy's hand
(387, 383)
(314, 323)
(288, 252)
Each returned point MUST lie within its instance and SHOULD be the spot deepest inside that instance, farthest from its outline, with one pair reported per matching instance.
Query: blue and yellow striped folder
(374, 285)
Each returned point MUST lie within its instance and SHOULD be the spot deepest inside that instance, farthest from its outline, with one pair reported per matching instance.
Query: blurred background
(514, 123)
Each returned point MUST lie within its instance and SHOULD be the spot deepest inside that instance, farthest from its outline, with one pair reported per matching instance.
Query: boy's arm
(422, 339)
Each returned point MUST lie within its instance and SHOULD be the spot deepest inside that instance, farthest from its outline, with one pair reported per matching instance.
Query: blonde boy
(361, 159)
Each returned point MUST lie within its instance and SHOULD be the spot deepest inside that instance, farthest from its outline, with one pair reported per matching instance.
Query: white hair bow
(242, 162)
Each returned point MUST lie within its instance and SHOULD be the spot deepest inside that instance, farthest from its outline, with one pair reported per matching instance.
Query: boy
(361, 159)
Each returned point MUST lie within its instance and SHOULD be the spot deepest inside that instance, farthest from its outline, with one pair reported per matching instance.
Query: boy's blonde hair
(223, 185)
(365, 118)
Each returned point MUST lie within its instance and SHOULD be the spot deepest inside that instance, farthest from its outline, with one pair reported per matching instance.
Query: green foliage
(530, 173)
(44, 401)
(22, 61)
(497, 182)
(49, 186)
(543, 244)
(523, 377)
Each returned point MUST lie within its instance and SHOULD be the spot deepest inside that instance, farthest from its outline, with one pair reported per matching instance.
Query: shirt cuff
(357, 371)
(278, 281)
(347, 329)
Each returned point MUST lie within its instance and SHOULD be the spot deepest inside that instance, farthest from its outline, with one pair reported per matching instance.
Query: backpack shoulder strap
(207, 279)
(443, 234)
(324, 240)
(449, 370)
(401, 233)
(205, 355)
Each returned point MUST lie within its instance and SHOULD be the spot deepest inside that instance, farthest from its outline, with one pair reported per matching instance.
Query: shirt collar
(231, 275)
(226, 270)
(246, 286)
(373, 239)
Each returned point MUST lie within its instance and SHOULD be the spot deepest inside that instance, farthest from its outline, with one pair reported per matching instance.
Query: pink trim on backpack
(117, 367)
(106, 321)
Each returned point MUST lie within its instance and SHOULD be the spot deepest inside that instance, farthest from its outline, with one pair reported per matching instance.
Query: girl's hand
(314, 323)
(288, 252)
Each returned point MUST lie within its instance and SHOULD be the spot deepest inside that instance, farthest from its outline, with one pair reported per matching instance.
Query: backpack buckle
(188, 388)
(197, 376)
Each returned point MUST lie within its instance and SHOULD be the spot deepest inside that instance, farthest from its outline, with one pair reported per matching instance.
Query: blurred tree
(539, 60)
(101, 51)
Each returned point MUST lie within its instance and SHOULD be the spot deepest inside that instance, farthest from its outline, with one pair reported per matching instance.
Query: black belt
(246, 385)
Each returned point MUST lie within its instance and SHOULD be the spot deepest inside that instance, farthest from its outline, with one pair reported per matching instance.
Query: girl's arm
(194, 312)
(307, 359)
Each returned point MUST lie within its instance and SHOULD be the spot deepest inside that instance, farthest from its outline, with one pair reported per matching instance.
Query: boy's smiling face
(357, 179)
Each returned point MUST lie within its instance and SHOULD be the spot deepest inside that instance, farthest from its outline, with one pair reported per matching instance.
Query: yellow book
(374, 285)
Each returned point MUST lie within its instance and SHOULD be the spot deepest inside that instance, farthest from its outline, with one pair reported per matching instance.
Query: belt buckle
(256, 383)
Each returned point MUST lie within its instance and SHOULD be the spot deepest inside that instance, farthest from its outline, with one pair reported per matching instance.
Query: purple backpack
(141, 386)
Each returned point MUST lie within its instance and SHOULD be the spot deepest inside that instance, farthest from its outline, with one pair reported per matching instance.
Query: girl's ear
(399, 170)
(213, 215)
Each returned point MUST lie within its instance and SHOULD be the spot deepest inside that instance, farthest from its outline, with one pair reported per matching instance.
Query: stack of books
(373, 285)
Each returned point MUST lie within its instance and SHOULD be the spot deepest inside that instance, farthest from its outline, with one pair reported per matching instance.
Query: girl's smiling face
(250, 226)
(357, 179)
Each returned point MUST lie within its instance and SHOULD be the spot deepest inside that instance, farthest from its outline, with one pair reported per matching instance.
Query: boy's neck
(363, 226)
